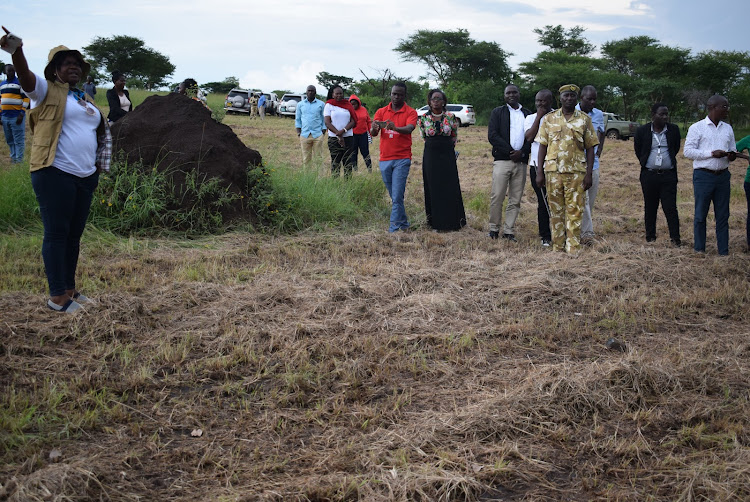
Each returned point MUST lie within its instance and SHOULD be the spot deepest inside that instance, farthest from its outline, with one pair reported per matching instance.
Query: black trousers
(660, 186)
(342, 155)
(542, 214)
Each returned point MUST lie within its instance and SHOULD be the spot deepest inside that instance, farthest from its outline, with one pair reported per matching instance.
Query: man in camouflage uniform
(253, 99)
(566, 159)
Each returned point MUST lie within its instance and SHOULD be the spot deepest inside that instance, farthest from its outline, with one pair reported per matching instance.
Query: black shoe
(676, 243)
(650, 239)
(494, 234)
(510, 237)
(546, 243)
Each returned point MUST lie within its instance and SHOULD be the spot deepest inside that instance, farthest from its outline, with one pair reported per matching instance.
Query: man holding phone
(396, 121)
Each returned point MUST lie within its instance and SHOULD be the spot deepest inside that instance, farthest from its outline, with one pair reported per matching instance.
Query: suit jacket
(498, 134)
(643, 138)
(113, 100)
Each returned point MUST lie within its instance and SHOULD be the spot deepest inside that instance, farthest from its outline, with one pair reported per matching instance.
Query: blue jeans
(394, 173)
(709, 187)
(15, 137)
(64, 202)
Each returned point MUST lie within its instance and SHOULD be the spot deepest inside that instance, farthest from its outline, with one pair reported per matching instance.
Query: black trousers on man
(660, 186)
(542, 213)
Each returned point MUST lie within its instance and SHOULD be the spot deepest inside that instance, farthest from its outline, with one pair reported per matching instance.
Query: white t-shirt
(528, 122)
(77, 144)
(339, 118)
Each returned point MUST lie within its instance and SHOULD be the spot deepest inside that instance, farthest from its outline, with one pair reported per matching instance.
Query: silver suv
(288, 104)
(236, 101)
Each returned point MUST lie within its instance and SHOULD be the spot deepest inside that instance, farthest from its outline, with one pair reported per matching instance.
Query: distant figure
(588, 105)
(396, 121)
(262, 106)
(566, 159)
(443, 203)
(310, 124)
(340, 118)
(253, 100)
(510, 152)
(543, 100)
(656, 146)
(13, 105)
(710, 145)
(118, 98)
(744, 144)
(361, 132)
(90, 87)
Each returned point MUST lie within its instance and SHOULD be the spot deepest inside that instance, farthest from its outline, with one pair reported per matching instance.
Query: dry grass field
(348, 364)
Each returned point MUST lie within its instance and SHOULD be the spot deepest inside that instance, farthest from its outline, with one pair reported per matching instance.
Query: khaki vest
(45, 123)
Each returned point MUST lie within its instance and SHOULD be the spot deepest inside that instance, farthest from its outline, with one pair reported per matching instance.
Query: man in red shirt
(397, 121)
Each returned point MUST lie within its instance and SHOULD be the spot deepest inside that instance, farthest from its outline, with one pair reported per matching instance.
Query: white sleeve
(40, 91)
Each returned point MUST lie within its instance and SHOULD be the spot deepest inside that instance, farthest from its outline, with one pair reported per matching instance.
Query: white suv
(464, 113)
(288, 104)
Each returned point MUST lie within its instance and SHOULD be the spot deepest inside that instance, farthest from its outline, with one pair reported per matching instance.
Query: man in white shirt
(588, 105)
(543, 101)
(710, 144)
(510, 151)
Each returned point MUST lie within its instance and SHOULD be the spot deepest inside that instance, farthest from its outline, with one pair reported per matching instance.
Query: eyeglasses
(436, 100)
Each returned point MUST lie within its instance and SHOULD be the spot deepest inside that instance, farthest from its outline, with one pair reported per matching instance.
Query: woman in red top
(361, 132)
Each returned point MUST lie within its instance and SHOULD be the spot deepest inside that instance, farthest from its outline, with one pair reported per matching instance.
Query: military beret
(570, 87)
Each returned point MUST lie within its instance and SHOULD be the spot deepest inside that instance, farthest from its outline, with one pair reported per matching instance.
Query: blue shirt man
(588, 106)
(13, 104)
(310, 124)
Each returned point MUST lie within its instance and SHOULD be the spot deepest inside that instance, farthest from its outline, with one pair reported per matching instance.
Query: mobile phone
(12, 42)
(381, 123)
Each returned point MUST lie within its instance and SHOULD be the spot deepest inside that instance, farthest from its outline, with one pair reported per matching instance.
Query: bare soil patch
(416, 366)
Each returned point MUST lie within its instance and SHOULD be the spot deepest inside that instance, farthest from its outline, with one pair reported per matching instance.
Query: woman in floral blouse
(442, 192)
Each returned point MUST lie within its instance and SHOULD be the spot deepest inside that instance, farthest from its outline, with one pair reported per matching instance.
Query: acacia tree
(569, 41)
(144, 67)
(328, 80)
(453, 56)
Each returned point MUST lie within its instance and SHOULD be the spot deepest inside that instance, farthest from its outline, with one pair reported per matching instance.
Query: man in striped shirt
(13, 104)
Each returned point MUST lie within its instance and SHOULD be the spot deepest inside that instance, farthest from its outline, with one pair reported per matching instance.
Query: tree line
(630, 74)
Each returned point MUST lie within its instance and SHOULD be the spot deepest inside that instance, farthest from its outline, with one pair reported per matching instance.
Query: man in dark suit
(511, 153)
(656, 145)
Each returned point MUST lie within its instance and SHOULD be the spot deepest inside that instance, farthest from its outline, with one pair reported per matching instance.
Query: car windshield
(237, 93)
(454, 108)
(292, 98)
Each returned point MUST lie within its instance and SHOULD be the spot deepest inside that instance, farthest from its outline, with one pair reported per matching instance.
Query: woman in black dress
(442, 192)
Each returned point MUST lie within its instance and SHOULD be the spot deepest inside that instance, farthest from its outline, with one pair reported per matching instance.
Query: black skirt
(442, 192)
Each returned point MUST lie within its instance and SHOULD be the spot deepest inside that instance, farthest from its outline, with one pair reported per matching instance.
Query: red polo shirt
(394, 145)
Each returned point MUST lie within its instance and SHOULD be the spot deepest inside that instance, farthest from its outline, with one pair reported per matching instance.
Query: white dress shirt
(703, 138)
(516, 127)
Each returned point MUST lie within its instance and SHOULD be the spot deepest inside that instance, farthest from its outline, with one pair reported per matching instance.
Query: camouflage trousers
(566, 198)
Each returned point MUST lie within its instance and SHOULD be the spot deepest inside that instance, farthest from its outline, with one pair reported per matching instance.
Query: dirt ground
(340, 365)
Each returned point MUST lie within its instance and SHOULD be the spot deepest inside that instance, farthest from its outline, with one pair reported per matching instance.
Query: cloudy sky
(283, 45)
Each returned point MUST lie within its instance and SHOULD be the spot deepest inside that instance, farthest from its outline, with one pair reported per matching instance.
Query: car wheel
(613, 134)
(458, 121)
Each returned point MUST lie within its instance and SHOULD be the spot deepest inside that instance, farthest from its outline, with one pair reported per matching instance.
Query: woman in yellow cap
(71, 145)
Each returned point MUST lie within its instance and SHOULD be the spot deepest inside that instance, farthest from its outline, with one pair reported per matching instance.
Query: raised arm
(25, 77)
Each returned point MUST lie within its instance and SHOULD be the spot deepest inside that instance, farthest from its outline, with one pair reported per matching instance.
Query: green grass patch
(18, 206)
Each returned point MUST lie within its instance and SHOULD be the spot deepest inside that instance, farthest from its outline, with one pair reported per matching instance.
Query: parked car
(464, 113)
(288, 104)
(617, 127)
(236, 101)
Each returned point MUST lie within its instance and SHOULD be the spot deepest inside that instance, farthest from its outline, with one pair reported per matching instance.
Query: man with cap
(566, 159)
